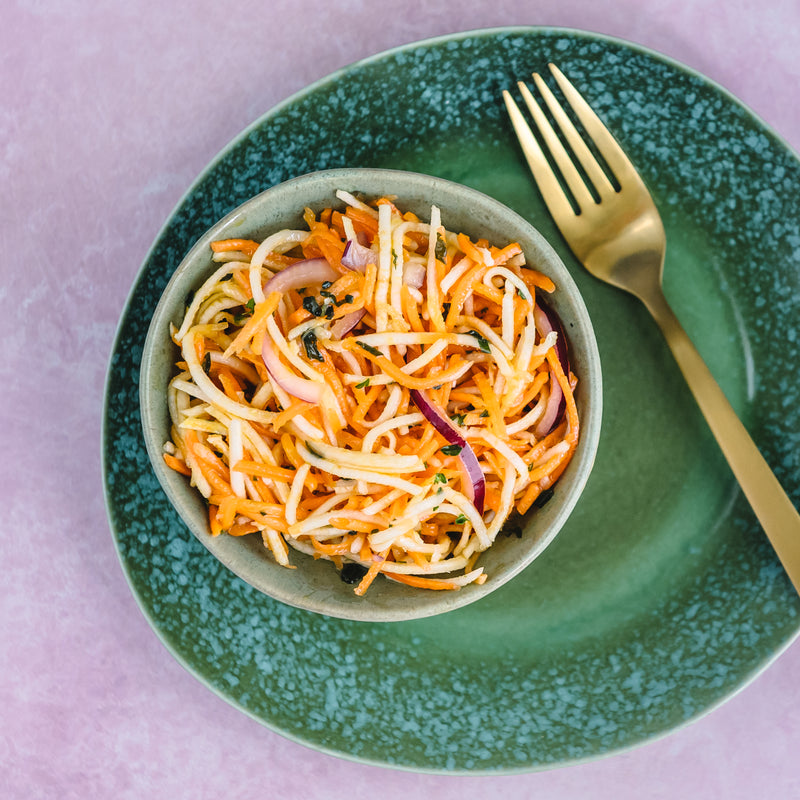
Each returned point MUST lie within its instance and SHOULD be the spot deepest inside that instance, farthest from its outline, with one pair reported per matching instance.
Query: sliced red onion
(292, 384)
(356, 256)
(303, 273)
(547, 321)
(552, 411)
(345, 324)
(476, 482)
(295, 276)
(414, 274)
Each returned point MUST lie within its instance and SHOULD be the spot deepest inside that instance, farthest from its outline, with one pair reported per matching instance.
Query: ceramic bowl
(316, 585)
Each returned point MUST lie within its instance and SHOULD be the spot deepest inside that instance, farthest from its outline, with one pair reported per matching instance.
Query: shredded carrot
(509, 251)
(469, 248)
(463, 288)
(526, 501)
(492, 404)
(364, 405)
(411, 310)
(536, 279)
(363, 222)
(246, 246)
(177, 464)
(423, 583)
(372, 573)
(352, 525)
(230, 385)
(264, 470)
(256, 323)
(338, 549)
(331, 375)
(343, 450)
(213, 520)
(572, 409)
(297, 316)
(489, 292)
(404, 379)
(297, 407)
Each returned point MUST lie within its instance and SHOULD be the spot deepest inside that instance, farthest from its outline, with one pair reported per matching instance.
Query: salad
(375, 390)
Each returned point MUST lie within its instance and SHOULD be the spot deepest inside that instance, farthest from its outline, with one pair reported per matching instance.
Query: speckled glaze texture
(660, 597)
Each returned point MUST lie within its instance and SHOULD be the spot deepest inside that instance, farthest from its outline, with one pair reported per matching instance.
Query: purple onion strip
(476, 482)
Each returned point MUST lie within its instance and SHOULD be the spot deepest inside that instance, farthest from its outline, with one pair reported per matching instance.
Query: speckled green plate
(661, 597)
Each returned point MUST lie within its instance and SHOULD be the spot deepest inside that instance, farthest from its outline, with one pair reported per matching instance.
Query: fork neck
(642, 278)
(640, 274)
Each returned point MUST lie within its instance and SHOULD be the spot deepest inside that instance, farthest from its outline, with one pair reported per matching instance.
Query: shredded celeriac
(296, 410)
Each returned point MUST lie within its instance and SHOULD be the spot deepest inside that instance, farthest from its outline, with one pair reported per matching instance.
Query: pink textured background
(107, 113)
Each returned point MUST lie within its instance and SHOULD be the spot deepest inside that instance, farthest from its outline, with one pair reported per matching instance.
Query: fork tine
(582, 153)
(562, 158)
(608, 146)
(558, 202)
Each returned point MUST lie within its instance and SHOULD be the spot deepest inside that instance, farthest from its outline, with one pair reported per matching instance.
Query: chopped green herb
(207, 363)
(363, 384)
(310, 344)
(326, 284)
(460, 519)
(458, 418)
(352, 572)
(348, 298)
(370, 349)
(446, 309)
(482, 343)
(439, 477)
(441, 248)
(328, 312)
(250, 305)
(484, 413)
(394, 257)
(302, 290)
(452, 449)
(311, 305)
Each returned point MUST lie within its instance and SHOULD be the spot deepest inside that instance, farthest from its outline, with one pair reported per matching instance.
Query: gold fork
(619, 237)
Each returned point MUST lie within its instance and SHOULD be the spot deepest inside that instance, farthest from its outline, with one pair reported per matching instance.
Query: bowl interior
(316, 585)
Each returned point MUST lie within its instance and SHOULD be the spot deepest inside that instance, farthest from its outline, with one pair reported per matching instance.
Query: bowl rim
(231, 555)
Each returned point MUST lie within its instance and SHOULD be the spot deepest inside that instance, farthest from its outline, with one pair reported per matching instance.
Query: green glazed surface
(661, 596)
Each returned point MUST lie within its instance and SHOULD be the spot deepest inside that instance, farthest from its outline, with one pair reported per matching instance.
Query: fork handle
(769, 501)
